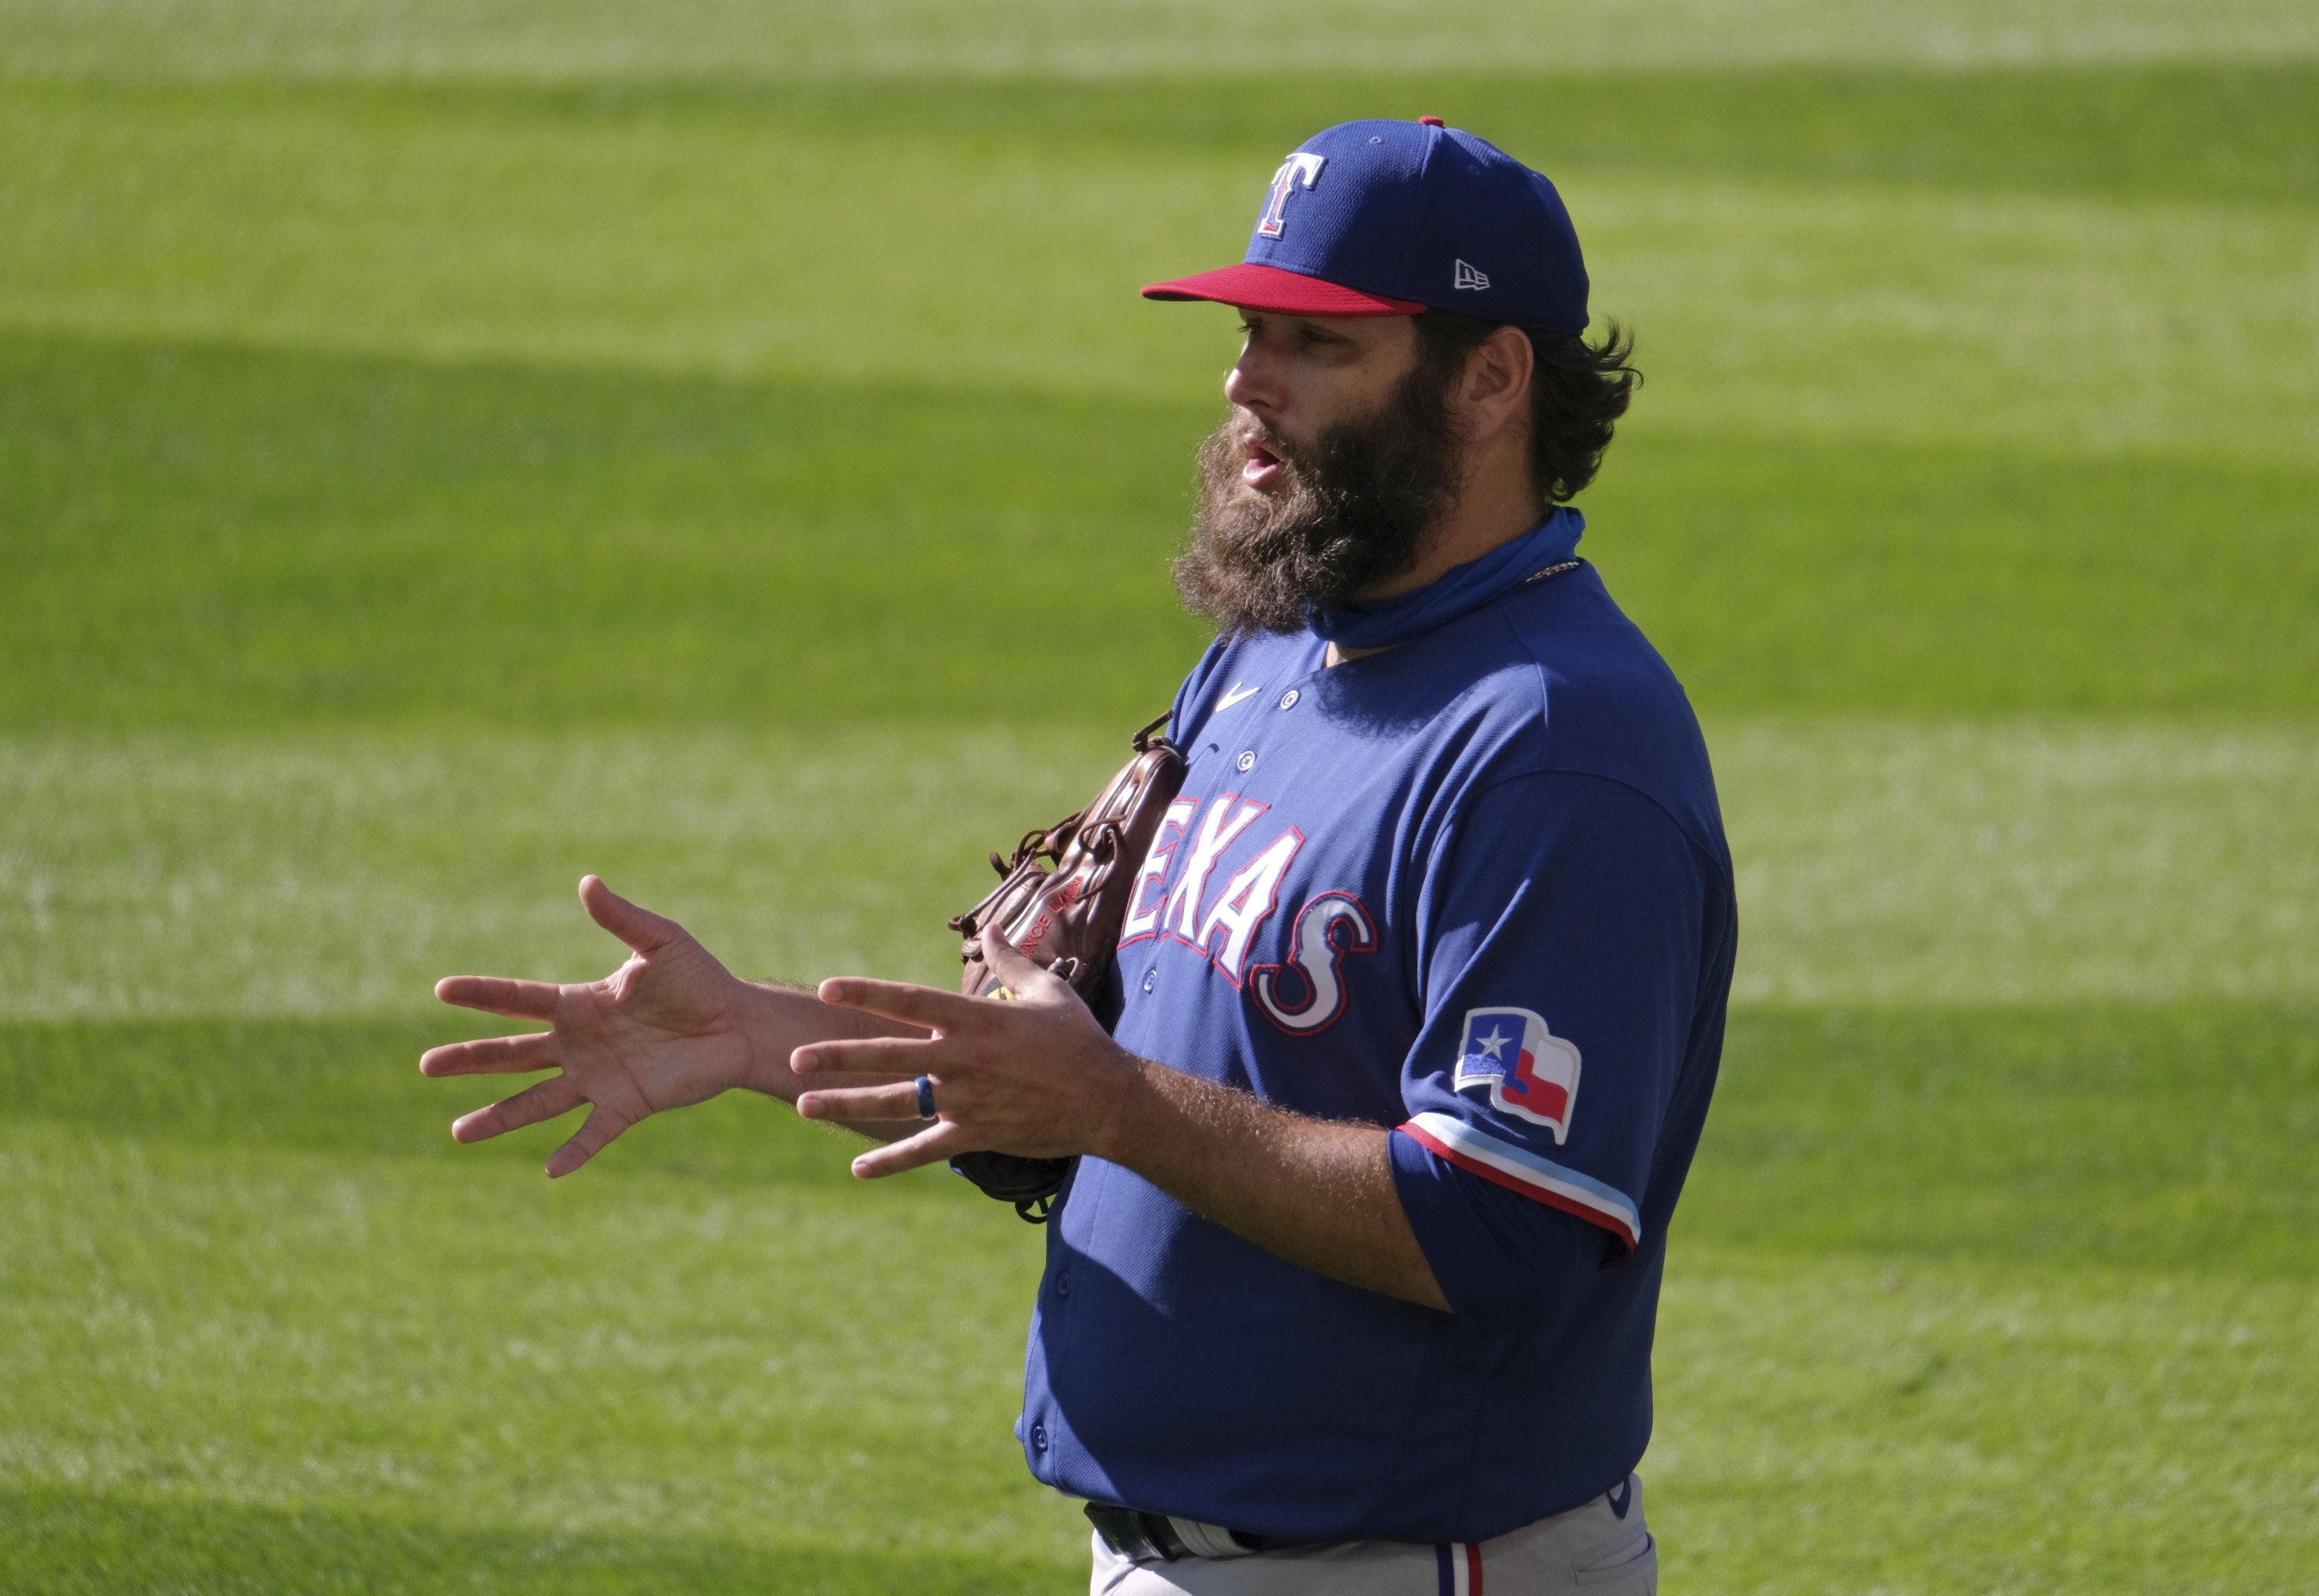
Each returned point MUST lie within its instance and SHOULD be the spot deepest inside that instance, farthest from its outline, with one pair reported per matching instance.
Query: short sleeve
(1504, 1263)
(1560, 945)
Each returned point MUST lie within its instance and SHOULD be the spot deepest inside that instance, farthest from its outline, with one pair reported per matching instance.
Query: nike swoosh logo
(1235, 696)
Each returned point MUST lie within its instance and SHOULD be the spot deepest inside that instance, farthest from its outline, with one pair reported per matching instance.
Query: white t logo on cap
(1300, 170)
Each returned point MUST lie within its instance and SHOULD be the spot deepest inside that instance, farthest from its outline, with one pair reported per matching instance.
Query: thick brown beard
(1352, 510)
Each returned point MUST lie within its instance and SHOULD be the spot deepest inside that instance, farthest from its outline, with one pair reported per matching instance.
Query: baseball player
(1418, 996)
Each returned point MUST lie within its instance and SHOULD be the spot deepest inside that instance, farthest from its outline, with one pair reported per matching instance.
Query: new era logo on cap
(1469, 277)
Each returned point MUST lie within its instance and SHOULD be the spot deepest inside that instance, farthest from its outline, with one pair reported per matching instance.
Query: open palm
(662, 1032)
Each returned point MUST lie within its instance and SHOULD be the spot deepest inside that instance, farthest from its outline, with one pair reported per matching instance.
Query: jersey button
(1288, 699)
(1062, 1282)
(1038, 1438)
(1246, 762)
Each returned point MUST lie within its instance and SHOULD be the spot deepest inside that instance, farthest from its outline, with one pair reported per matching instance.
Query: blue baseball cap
(1392, 218)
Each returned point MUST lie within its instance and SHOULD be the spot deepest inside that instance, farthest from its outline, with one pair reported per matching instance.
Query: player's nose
(1252, 382)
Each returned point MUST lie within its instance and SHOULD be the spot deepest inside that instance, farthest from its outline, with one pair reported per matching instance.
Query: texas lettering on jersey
(1176, 894)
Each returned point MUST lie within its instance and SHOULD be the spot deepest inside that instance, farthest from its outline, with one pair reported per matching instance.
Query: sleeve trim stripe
(1519, 1169)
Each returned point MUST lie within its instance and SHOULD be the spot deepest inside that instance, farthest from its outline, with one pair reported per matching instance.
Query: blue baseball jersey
(1474, 890)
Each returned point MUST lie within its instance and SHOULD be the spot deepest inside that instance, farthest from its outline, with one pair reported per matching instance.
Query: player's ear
(1497, 377)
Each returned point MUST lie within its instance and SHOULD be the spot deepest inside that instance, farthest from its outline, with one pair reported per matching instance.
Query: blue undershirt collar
(1457, 591)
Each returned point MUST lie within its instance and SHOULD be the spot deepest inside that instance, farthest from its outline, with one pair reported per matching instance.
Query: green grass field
(445, 449)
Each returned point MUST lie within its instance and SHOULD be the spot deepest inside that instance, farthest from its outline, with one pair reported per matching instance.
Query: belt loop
(1211, 1541)
(1136, 1536)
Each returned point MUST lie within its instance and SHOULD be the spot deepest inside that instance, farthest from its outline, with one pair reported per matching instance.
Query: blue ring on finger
(925, 1096)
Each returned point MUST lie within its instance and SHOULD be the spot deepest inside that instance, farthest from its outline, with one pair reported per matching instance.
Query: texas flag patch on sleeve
(1531, 1073)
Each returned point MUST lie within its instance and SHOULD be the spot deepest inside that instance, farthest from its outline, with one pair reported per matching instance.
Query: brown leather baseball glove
(1061, 899)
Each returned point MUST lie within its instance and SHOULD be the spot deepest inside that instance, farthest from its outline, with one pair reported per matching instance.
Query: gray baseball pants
(1592, 1550)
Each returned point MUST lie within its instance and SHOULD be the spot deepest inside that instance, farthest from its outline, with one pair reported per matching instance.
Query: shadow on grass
(354, 1087)
(2174, 1136)
(65, 1543)
(214, 537)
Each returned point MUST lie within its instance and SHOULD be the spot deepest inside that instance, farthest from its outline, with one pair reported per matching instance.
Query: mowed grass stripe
(740, 1370)
(342, 877)
(626, 489)
(2175, 1138)
(339, 874)
(1793, 311)
(724, 244)
(203, 537)
(2022, 862)
(1849, 1424)
(212, 536)
(476, 1344)
(74, 1542)
(351, 1089)
(736, 239)
(1270, 40)
(71, 1542)
(2212, 132)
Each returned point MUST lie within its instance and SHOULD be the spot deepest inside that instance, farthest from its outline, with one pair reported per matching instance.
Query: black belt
(1133, 1534)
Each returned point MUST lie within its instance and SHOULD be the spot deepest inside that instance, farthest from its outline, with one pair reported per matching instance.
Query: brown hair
(1577, 392)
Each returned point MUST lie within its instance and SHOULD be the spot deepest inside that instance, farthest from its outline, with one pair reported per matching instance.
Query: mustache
(1245, 428)
(1239, 439)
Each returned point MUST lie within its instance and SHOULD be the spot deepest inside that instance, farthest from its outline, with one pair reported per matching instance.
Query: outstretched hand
(1036, 1075)
(663, 1031)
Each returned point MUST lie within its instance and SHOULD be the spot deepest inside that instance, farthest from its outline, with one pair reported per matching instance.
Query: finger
(491, 1055)
(882, 1055)
(896, 1100)
(929, 1146)
(496, 995)
(1018, 969)
(534, 1103)
(596, 1133)
(925, 1007)
(643, 931)
(833, 1080)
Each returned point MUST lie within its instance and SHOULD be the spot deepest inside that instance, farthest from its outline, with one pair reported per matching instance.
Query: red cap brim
(1284, 293)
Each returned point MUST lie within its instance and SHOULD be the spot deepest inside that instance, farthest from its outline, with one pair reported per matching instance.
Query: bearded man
(1419, 995)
